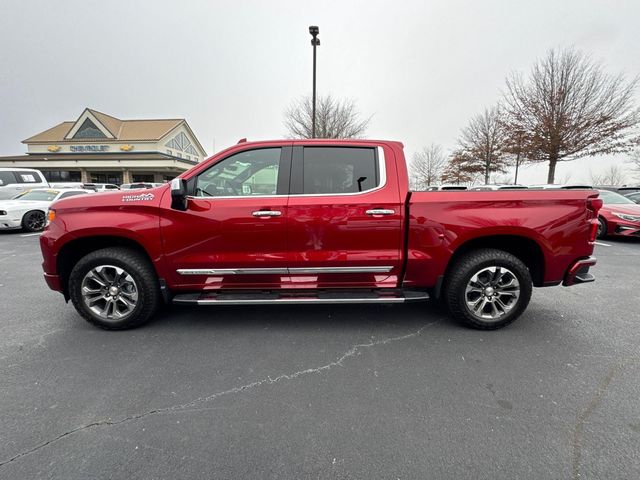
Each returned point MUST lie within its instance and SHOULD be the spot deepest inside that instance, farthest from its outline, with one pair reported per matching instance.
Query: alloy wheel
(109, 292)
(491, 293)
(35, 221)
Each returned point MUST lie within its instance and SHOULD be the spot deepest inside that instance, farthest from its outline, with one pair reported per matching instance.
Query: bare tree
(484, 142)
(634, 160)
(426, 167)
(569, 108)
(501, 179)
(564, 179)
(612, 175)
(515, 147)
(460, 169)
(334, 118)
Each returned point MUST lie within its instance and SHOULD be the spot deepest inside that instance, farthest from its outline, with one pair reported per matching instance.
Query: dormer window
(88, 129)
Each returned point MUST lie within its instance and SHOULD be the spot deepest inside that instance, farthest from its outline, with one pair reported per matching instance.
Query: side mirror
(179, 194)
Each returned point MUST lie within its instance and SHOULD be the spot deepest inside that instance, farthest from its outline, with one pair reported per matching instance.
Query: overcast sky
(422, 69)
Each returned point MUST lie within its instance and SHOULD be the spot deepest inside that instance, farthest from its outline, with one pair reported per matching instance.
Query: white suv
(14, 181)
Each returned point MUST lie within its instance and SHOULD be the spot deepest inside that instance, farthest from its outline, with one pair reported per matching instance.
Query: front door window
(250, 173)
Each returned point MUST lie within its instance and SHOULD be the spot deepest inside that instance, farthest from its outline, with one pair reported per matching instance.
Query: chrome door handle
(380, 211)
(267, 213)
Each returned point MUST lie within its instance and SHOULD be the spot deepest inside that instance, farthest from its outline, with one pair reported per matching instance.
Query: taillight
(594, 204)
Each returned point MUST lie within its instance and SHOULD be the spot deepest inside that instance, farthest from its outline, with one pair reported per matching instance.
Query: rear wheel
(33, 221)
(114, 288)
(602, 228)
(488, 289)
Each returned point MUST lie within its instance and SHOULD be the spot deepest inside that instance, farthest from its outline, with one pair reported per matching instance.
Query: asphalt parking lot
(397, 392)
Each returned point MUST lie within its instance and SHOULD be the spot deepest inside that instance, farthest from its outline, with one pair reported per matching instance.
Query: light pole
(315, 41)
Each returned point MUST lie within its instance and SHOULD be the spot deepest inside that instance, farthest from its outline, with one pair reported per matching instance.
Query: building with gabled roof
(99, 148)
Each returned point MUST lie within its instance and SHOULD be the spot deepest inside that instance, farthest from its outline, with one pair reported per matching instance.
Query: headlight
(3, 212)
(628, 218)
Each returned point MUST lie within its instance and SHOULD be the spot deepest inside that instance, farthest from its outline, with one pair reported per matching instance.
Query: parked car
(29, 209)
(446, 187)
(313, 221)
(102, 187)
(138, 186)
(498, 187)
(90, 187)
(14, 181)
(627, 190)
(634, 197)
(565, 186)
(618, 216)
(621, 190)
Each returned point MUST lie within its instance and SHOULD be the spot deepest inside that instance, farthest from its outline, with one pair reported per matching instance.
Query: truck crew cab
(314, 221)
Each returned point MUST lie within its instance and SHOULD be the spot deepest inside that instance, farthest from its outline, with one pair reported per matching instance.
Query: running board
(301, 297)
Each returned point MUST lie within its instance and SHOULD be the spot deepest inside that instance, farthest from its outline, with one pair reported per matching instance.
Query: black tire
(602, 228)
(34, 221)
(137, 267)
(480, 262)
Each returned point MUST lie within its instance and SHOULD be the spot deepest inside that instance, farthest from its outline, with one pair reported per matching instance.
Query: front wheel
(34, 221)
(114, 288)
(488, 289)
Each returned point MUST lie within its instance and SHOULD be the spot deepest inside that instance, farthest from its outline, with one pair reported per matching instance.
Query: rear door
(344, 217)
(8, 185)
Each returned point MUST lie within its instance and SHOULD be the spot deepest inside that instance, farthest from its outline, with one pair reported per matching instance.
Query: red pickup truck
(314, 221)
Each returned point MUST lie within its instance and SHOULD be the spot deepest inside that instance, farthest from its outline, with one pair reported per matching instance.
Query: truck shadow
(296, 317)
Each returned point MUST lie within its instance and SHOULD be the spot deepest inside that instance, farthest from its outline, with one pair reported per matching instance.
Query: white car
(139, 185)
(14, 181)
(494, 187)
(29, 209)
(564, 186)
(102, 187)
(446, 187)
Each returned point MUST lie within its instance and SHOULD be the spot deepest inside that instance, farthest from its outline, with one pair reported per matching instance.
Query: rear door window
(7, 178)
(334, 170)
(28, 177)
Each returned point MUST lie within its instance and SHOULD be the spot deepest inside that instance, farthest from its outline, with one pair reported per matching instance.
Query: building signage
(89, 148)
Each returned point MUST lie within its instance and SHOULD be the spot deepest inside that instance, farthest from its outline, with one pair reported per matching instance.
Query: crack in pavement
(594, 403)
(185, 407)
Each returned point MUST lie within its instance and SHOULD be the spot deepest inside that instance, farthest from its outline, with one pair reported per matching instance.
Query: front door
(233, 233)
(344, 227)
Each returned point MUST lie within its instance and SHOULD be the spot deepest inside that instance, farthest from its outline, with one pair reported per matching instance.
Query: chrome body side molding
(283, 271)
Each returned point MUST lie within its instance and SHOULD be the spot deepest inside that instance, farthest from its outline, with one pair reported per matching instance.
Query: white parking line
(30, 234)
(603, 244)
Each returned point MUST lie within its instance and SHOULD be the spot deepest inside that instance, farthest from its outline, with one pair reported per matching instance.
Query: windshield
(612, 198)
(38, 195)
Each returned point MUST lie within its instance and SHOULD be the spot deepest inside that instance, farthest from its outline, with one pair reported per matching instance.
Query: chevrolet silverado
(314, 221)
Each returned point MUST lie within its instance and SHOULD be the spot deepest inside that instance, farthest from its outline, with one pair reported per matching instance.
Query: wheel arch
(72, 251)
(31, 211)
(523, 248)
